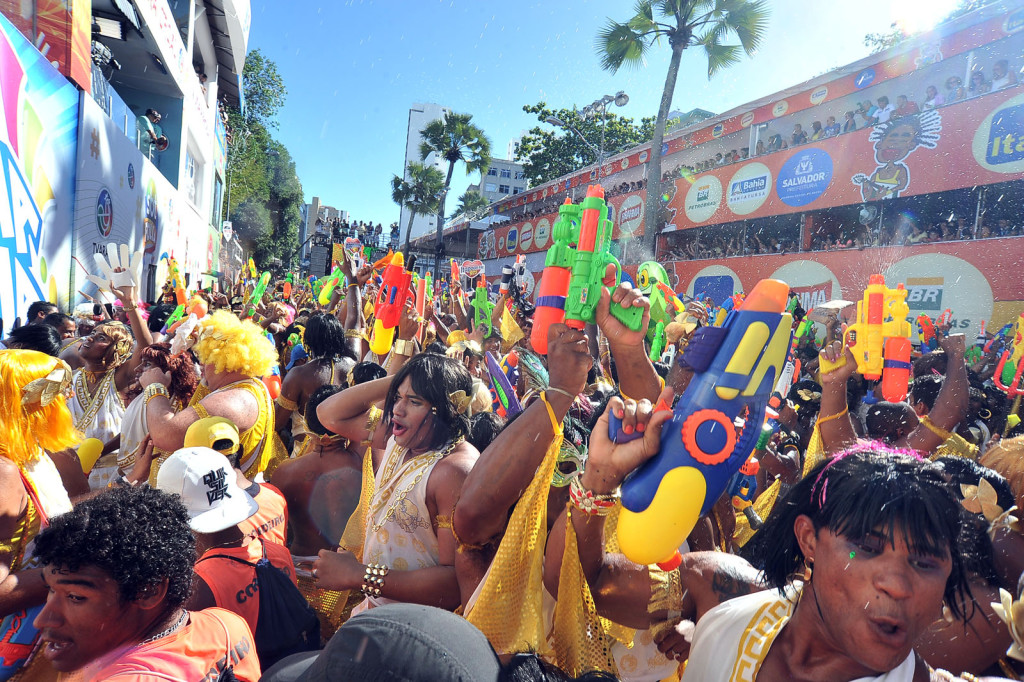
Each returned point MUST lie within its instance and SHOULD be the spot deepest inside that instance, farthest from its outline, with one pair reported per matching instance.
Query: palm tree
(684, 23)
(419, 191)
(470, 203)
(454, 138)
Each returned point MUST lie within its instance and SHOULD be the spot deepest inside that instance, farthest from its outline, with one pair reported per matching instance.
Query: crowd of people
(275, 486)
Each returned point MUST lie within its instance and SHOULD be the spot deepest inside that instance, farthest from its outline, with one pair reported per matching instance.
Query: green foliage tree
(704, 24)
(264, 193)
(471, 203)
(419, 191)
(454, 138)
(547, 154)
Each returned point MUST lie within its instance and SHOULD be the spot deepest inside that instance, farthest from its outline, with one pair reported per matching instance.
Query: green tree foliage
(883, 40)
(548, 153)
(454, 138)
(703, 24)
(419, 191)
(264, 193)
(471, 203)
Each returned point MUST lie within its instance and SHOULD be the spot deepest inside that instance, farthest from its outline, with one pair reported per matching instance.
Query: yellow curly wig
(26, 430)
(233, 345)
(1007, 458)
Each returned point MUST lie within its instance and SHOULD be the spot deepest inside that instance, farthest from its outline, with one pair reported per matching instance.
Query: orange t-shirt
(234, 584)
(212, 640)
(271, 521)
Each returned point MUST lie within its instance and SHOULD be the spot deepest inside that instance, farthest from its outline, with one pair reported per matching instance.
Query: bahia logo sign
(749, 188)
(804, 177)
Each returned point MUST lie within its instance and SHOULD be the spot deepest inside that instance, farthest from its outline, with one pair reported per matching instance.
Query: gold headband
(46, 389)
(461, 403)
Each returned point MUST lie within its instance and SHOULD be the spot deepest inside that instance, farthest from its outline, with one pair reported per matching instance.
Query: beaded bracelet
(373, 579)
(589, 502)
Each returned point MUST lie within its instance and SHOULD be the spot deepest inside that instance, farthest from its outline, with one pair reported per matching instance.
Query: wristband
(589, 502)
(152, 391)
(373, 579)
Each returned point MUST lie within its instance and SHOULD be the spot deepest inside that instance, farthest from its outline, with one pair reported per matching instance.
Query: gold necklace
(423, 462)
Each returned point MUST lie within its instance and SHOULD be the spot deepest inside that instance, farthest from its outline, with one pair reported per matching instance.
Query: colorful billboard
(60, 29)
(962, 276)
(38, 142)
(122, 198)
(979, 139)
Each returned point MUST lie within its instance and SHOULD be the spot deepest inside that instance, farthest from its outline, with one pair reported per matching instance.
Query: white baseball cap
(206, 484)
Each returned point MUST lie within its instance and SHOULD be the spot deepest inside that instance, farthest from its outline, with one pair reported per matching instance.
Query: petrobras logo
(717, 131)
(542, 233)
(512, 239)
(780, 108)
(749, 188)
(999, 141)
(747, 119)
(925, 293)
(104, 212)
(644, 155)
(818, 95)
(703, 198)
(804, 177)
(631, 214)
(526, 237)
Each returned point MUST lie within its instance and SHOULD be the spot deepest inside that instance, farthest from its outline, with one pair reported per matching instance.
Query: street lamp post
(598, 106)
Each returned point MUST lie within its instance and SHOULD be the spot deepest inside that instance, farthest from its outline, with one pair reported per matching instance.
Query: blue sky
(353, 67)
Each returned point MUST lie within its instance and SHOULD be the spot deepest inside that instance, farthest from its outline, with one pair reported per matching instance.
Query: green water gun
(330, 283)
(482, 306)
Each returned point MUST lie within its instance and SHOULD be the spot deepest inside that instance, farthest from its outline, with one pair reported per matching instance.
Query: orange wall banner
(963, 276)
(977, 142)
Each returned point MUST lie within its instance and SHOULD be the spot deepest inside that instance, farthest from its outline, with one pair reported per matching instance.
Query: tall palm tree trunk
(652, 204)
(408, 235)
(439, 241)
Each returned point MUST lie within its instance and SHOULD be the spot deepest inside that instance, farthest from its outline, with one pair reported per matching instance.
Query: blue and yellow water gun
(735, 369)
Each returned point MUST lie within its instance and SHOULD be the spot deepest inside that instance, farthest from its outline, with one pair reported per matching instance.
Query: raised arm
(125, 375)
(636, 374)
(951, 402)
(347, 412)
(509, 463)
(834, 422)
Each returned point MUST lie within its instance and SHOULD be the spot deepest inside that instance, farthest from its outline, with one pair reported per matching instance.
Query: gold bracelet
(152, 391)
(373, 579)
(837, 415)
(568, 395)
(406, 347)
(353, 333)
(128, 308)
(589, 502)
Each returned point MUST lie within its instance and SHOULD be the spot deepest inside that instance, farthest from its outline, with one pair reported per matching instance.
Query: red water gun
(387, 311)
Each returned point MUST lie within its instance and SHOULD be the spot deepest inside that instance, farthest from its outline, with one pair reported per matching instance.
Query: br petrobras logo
(804, 177)
(1014, 21)
(999, 141)
(104, 212)
(864, 79)
(703, 198)
(749, 188)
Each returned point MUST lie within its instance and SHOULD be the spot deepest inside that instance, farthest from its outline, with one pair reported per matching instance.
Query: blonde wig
(121, 343)
(1007, 458)
(32, 423)
(233, 345)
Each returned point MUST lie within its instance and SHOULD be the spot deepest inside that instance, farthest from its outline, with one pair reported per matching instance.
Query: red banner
(977, 142)
(962, 276)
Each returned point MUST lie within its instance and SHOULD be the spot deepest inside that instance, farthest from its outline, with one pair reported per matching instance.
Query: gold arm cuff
(286, 403)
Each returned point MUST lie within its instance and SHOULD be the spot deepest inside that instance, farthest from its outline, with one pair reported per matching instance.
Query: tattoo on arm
(728, 583)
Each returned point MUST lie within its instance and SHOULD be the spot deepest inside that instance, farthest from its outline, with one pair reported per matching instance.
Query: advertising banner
(61, 30)
(38, 142)
(122, 198)
(962, 276)
(980, 139)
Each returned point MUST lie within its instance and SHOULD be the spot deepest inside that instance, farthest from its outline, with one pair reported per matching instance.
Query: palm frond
(721, 56)
(618, 45)
(749, 21)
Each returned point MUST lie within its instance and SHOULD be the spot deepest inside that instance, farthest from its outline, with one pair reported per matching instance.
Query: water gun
(1000, 337)
(328, 286)
(742, 490)
(430, 286)
(177, 283)
(665, 306)
(926, 332)
(421, 302)
(257, 294)
(482, 306)
(975, 352)
(286, 289)
(273, 382)
(504, 377)
(1008, 373)
(197, 306)
(648, 274)
(570, 286)
(394, 292)
(735, 368)
(880, 339)
(253, 273)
